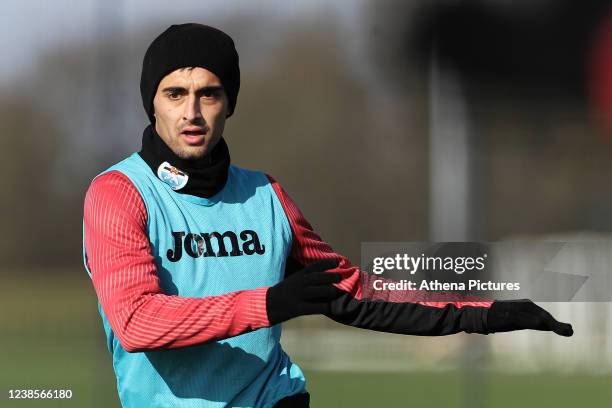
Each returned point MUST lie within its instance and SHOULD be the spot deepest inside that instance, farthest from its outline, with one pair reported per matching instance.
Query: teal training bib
(238, 239)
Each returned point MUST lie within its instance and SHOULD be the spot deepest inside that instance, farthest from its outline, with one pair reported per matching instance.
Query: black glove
(510, 315)
(305, 292)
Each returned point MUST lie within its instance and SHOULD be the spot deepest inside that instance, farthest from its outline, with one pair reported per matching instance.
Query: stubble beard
(195, 152)
(191, 152)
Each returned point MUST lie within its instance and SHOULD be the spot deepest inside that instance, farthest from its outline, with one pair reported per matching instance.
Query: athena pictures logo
(543, 271)
(172, 176)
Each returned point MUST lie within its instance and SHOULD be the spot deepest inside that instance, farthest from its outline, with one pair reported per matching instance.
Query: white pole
(452, 214)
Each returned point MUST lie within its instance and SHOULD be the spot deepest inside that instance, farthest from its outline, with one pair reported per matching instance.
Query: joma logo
(197, 245)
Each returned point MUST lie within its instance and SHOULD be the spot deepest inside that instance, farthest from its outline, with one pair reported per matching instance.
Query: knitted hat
(190, 45)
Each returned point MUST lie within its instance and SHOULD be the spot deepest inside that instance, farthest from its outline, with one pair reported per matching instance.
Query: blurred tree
(37, 222)
(540, 49)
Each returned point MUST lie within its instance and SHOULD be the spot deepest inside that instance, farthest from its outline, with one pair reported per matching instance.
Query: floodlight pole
(110, 91)
(455, 211)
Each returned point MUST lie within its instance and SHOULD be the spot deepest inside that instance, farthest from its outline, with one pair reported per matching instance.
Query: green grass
(92, 381)
(52, 338)
(435, 390)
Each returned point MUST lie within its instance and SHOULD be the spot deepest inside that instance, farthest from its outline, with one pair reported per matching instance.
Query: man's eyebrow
(173, 89)
(177, 89)
(210, 88)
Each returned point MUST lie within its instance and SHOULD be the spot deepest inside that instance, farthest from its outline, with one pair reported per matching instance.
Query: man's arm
(125, 278)
(402, 311)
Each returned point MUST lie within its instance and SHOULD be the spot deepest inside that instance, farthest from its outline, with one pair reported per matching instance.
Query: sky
(30, 28)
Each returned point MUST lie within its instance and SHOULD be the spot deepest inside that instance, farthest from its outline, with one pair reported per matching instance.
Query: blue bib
(238, 239)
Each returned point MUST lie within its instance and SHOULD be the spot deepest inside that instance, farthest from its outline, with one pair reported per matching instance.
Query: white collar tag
(172, 176)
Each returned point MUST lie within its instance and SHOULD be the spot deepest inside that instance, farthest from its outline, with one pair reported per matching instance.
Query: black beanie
(190, 45)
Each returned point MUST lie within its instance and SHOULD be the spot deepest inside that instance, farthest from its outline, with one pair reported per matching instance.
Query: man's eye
(209, 93)
(174, 95)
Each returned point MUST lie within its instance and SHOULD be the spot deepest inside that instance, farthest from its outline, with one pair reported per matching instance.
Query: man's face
(190, 109)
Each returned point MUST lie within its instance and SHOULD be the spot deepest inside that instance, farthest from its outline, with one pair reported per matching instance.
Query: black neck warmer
(207, 176)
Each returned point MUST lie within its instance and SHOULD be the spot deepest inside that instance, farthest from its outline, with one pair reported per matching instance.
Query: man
(195, 262)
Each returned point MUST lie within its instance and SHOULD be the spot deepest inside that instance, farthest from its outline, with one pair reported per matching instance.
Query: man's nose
(193, 111)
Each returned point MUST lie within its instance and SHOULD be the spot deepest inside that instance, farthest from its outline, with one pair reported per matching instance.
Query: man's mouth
(194, 136)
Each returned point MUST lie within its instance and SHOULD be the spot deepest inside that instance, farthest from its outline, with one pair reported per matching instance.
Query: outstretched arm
(402, 311)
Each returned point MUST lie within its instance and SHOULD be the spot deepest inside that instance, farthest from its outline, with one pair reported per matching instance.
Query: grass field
(52, 339)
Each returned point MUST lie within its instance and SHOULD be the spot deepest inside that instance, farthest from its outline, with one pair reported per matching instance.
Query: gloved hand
(305, 292)
(509, 315)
